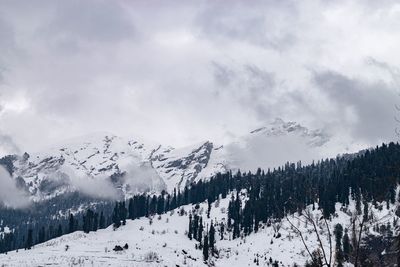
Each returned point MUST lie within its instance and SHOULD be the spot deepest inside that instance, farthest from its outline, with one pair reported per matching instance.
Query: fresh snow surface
(164, 242)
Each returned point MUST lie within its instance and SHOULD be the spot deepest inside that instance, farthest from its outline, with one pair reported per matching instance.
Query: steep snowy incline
(180, 167)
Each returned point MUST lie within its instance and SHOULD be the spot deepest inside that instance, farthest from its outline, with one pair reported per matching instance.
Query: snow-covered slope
(162, 241)
(131, 164)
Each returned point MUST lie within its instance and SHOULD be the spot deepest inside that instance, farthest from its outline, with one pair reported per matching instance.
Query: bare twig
(302, 239)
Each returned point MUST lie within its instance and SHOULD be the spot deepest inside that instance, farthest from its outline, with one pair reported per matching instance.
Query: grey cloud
(93, 21)
(259, 79)
(223, 75)
(256, 89)
(392, 70)
(247, 77)
(7, 41)
(7, 145)
(254, 23)
(134, 67)
(372, 104)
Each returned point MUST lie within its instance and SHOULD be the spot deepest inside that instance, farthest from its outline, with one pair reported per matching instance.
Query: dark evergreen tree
(365, 211)
(95, 224)
(131, 212)
(338, 232)
(190, 232)
(116, 219)
(346, 245)
(211, 239)
(71, 224)
(59, 231)
(222, 230)
(205, 248)
(122, 212)
(160, 203)
(200, 229)
(29, 240)
(102, 221)
(42, 235)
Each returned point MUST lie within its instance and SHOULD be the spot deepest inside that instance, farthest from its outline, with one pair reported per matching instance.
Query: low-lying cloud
(7, 145)
(143, 178)
(98, 187)
(271, 152)
(10, 194)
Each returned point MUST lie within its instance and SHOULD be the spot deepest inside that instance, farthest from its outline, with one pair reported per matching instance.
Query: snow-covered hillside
(133, 165)
(163, 241)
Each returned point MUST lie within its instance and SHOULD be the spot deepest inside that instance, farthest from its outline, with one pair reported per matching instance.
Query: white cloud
(10, 195)
(99, 187)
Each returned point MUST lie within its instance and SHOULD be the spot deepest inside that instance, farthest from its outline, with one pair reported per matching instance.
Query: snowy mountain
(130, 165)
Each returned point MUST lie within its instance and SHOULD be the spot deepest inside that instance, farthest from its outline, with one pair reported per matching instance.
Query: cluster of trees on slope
(272, 194)
(369, 178)
(23, 228)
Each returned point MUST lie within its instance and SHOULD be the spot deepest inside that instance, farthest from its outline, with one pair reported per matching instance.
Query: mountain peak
(279, 127)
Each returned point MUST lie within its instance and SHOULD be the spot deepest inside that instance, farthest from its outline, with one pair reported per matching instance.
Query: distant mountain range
(131, 165)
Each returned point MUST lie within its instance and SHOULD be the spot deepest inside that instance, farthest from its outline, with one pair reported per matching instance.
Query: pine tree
(160, 203)
(200, 230)
(51, 233)
(190, 227)
(211, 240)
(222, 229)
(84, 225)
(195, 225)
(131, 212)
(116, 219)
(205, 248)
(365, 211)
(209, 208)
(88, 221)
(95, 225)
(59, 231)
(102, 221)
(29, 240)
(122, 212)
(71, 224)
(42, 235)
(346, 245)
(338, 232)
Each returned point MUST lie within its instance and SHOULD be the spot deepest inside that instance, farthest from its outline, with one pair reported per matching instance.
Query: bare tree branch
(310, 219)
(302, 239)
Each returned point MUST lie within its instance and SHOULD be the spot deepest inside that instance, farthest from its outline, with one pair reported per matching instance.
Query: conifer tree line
(34, 233)
(272, 194)
(371, 176)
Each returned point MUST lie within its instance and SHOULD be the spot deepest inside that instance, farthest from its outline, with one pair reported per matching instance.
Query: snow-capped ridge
(134, 164)
(280, 128)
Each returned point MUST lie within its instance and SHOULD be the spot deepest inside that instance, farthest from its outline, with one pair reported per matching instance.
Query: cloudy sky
(179, 72)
